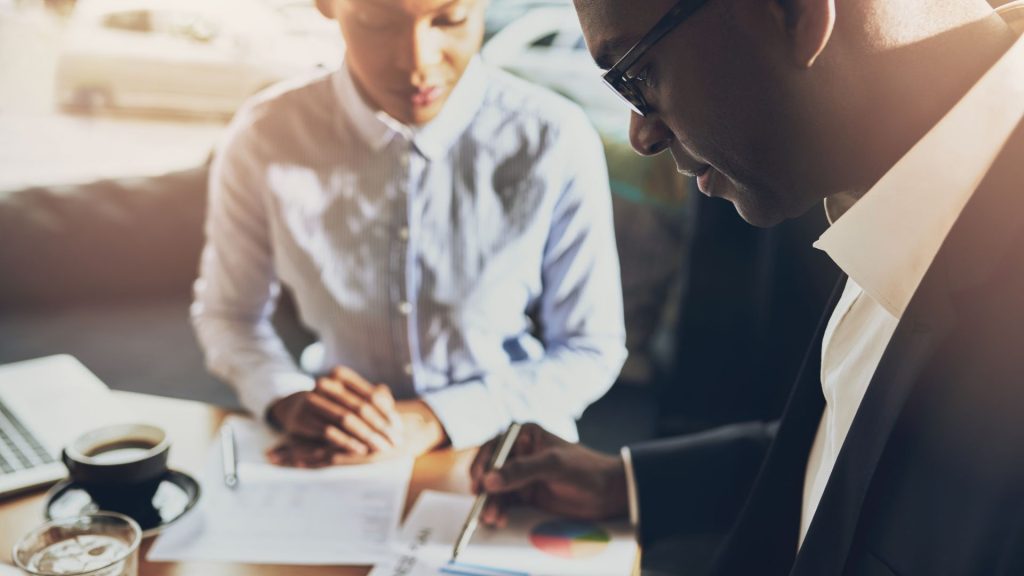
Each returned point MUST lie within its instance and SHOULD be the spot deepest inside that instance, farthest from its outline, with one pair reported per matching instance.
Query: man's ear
(326, 8)
(808, 24)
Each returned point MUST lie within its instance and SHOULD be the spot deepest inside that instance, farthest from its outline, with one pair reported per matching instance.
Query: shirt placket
(401, 288)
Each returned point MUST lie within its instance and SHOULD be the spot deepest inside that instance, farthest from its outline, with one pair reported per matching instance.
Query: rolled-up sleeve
(237, 289)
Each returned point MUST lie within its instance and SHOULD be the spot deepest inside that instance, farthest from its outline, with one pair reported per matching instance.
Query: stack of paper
(333, 516)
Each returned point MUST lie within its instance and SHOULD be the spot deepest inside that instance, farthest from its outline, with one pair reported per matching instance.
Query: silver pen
(228, 456)
(501, 453)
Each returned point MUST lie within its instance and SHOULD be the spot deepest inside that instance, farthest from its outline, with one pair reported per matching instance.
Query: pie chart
(569, 538)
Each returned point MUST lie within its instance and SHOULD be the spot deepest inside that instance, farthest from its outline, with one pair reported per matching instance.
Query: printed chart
(569, 539)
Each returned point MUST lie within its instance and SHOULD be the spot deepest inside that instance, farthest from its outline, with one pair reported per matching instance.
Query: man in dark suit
(901, 451)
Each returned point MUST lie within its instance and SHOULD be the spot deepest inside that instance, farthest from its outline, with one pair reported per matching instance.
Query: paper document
(343, 515)
(533, 544)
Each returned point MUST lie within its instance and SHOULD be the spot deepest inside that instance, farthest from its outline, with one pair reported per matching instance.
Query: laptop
(34, 395)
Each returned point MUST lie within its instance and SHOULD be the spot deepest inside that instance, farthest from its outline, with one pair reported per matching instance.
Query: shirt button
(403, 233)
(408, 369)
(405, 308)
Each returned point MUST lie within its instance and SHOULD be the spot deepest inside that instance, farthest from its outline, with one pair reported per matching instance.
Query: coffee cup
(120, 466)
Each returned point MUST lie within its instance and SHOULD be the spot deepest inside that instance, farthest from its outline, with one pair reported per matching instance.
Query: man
(425, 210)
(900, 449)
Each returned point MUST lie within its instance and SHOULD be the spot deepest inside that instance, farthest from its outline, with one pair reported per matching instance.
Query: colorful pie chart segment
(569, 538)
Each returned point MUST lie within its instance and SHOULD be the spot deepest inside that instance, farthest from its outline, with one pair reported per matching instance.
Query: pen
(228, 456)
(498, 459)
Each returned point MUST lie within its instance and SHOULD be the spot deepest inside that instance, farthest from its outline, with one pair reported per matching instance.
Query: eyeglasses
(619, 79)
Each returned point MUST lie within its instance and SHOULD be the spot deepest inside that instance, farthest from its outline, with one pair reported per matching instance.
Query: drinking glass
(99, 544)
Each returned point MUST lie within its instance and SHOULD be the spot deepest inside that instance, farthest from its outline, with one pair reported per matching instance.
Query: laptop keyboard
(19, 449)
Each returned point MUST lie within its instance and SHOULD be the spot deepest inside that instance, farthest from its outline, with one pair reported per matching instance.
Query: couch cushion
(106, 241)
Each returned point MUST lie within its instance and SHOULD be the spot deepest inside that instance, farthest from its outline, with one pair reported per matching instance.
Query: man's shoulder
(293, 100)
(525, 102)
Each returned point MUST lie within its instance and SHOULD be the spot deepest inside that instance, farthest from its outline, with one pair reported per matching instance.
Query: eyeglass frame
(617, 77)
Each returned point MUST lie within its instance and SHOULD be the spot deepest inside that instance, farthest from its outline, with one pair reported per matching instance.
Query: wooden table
(191, 426)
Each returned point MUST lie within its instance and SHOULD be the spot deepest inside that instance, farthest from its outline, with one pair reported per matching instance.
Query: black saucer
(177, 494)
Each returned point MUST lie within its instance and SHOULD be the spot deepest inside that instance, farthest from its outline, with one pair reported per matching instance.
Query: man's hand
(419, 432)
(344, 412)
(550, 473)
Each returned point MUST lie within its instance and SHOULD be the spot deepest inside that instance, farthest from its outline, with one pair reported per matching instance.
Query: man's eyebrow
(610, 51)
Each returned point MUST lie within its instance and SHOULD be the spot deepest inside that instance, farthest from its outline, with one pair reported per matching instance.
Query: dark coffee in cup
(120, 466)
(121, 452)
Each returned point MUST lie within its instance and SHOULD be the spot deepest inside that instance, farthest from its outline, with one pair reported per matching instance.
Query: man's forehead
(612, 27)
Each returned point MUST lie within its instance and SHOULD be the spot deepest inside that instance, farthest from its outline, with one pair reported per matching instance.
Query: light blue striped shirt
(470, 262)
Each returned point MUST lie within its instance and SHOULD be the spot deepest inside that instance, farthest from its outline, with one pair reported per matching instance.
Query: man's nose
(424, 48)
(648, 135)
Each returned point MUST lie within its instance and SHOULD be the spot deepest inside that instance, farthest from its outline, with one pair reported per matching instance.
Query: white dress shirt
(421, 257)
(888, 239)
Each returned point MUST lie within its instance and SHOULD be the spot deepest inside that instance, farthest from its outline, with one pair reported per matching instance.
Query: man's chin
(757, 217)
(754, 210)
(421, 115)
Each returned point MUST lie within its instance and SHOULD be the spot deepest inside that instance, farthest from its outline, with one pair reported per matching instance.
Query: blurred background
(107, 88)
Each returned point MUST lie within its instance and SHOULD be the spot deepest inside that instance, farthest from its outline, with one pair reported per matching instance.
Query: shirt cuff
(468, 413)
(631, 496)
(258, 393)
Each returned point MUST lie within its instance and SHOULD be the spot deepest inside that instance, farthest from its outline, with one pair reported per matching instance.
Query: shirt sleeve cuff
(631, 496)
(259, 393)
(469, 414)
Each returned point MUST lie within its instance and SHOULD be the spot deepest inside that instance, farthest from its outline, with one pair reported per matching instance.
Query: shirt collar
(887, 240)
(432, 140)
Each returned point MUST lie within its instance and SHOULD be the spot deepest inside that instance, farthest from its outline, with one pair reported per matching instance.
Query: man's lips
(705, 178)
(422, 96)
(702, 174)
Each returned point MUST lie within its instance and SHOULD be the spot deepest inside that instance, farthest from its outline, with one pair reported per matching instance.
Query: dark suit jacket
(750, 293)
(930, 479)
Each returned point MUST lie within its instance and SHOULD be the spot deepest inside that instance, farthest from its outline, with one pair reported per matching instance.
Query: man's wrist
(276, 414)
(429, 426)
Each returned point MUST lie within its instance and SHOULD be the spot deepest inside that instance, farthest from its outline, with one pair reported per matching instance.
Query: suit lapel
(766, 533)
(828, 539)
(977, 240)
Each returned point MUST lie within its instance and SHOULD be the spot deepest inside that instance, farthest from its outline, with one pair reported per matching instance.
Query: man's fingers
(356, 382)
(299, 455)
(384, 401)
(344, 441)
(495, 512)
(350, 422)
(379, 395)
(317, 429)
(348, 401)
(479, 466)
(356, 427)
(326, 409)
(492, 512)
(373, 416)
(522, 471)
(337, 391)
